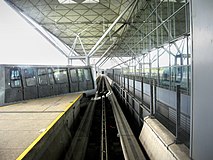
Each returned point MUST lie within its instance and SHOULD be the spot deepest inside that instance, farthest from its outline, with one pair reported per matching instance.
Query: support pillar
(87, 60)
(178, 95)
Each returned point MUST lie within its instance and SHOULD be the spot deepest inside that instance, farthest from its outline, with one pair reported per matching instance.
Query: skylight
(77, 1)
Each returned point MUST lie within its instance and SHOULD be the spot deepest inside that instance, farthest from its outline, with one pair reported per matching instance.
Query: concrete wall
(159, 142)
(202, 87)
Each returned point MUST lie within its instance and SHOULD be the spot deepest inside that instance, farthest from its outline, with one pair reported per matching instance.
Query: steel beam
(105, 53)
(157, 27)
(122, 63)
(79, 38)
(110, 28)
(77, 57)
(165, 27)
(120, 58)
(146, 19)
(106, 41)
(102, 63)
(74, 43)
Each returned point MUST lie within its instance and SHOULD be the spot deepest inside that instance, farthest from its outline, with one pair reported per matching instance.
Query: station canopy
(98, 27)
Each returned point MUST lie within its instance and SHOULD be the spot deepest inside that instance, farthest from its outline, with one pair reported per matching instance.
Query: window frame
(60, 70)
(89, 74)
(82, 75)
(50, 73)
(76, 75)
(18, 78)
(30, 77)
(41, 75)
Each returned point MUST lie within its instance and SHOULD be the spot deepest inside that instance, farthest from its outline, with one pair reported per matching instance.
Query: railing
(166, 77)
(145, 90)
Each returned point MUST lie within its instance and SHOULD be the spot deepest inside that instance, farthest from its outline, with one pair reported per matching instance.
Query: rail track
(104, 132)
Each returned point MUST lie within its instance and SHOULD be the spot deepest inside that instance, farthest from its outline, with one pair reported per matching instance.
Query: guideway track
(77, 149)
(114, 138)
(130, 146)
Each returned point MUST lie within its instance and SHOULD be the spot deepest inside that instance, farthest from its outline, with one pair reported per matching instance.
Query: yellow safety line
(27, 150)
(73, 102)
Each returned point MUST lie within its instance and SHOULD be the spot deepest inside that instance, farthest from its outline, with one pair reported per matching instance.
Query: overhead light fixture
(77, 1)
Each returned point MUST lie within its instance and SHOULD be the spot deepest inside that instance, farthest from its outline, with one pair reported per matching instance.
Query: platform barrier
(159, 143)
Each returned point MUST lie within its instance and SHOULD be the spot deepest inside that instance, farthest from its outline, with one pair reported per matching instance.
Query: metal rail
(78, 147)
(104, 152)
(130, 146)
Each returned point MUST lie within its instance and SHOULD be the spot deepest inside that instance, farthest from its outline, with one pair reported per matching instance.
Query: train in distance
(23, 82)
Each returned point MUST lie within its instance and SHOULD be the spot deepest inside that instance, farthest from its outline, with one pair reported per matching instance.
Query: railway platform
(32, 129)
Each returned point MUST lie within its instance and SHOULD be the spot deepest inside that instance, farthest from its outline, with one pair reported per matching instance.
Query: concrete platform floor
(22, 123)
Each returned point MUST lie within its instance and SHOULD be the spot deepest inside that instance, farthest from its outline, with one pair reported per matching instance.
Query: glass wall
(169, 65)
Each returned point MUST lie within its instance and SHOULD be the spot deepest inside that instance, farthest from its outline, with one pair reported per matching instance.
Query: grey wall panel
(185, 104)
(131, 82)
(202, 76)
(131, 89)
(167, 97)
(138, 94)
(136, 106)
(146, 99)
(30, 92)
(2, 84)
(126, 80)
(138, 85)
(63, 88)
(146, 88)
(44, 91)
(129, 98)
(73, 87)
(122, 81)
(145, 113)
(82, 86)
(185, 123)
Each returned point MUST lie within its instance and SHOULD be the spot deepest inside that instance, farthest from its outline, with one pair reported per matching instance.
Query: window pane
(41, 71)
(30, 82)
(50, 75)
(29, 73)
(15, 74)
(87, 74)
(30, 77)
(15, 83)
(61, 76)
(15, 78)
(80, 75)
(74, 76)
(42, 76)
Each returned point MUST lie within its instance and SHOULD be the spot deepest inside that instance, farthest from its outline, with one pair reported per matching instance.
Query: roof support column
(87, 60)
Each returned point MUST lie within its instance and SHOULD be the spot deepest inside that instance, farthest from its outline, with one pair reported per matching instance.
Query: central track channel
(104, 142)
(102, 133)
